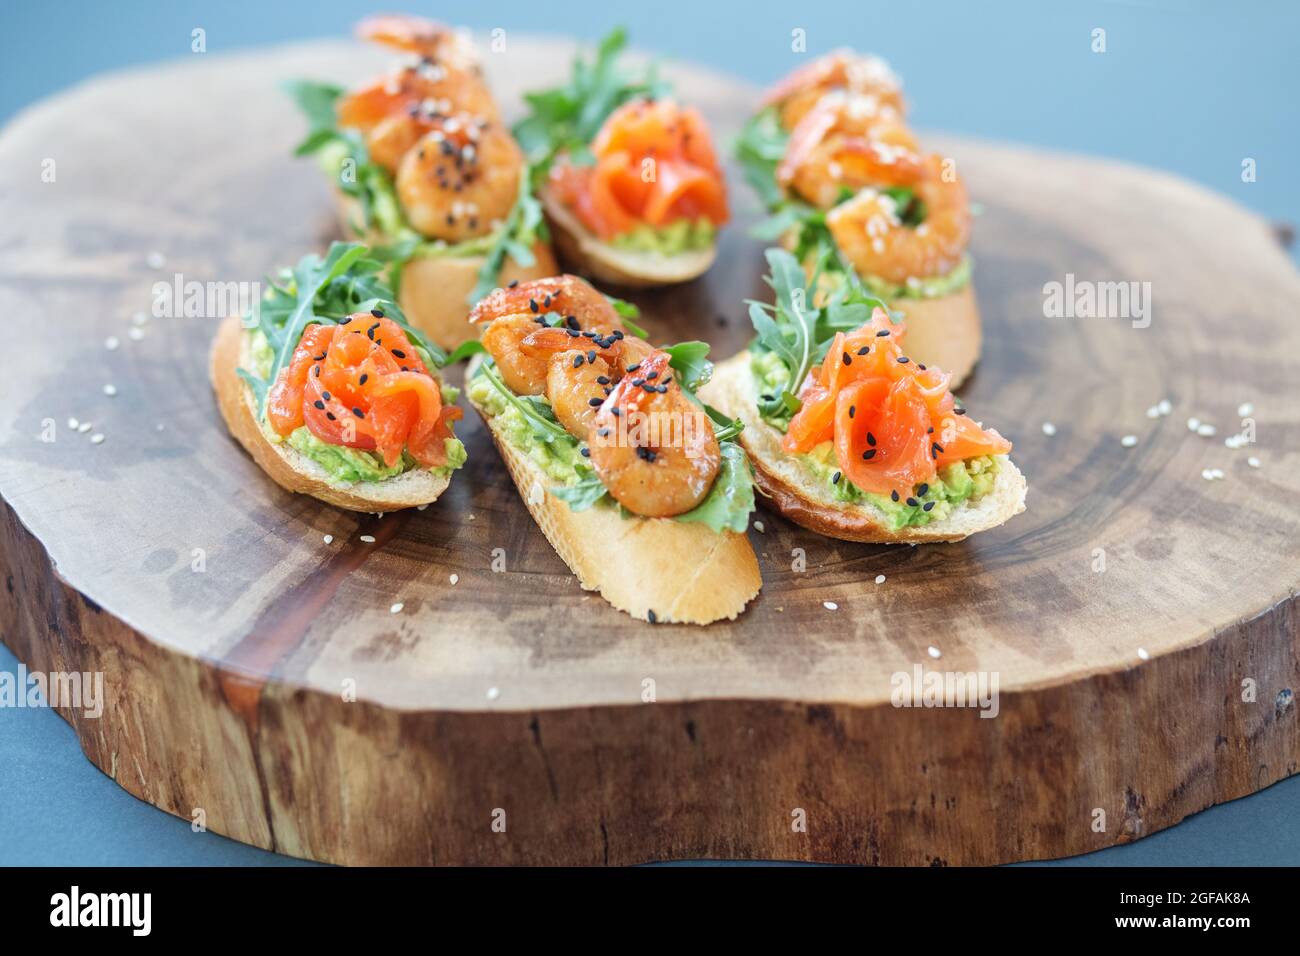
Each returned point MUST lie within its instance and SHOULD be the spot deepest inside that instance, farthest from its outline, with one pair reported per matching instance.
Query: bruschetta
(332, 391)
(641, 489)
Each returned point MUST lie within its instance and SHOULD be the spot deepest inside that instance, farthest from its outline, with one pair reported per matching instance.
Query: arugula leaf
(318, 101)
(798, 331)
(324, 291)
(566, 118)
(585, 492)
(628, 311)
(537, 414)
(759, 149)
(466, 349)
(690, 361)
(731, 499)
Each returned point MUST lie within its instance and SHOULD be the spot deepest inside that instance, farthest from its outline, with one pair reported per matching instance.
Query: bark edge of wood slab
(229, 631)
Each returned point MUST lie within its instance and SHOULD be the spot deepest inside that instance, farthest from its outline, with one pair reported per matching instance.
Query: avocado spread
(956, 482)
(557, 459)
(680, 236)
(934, 287)
(347, 465)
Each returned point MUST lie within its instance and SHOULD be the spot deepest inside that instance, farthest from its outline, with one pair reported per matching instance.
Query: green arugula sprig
(323, 290)
(759, 149)
(373, 188)
(566, 118)
(798, 331)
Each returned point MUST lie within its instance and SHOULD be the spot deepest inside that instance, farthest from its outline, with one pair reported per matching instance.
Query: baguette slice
(434, 290)
(683, 572)
(602, 262)
(944, 332)
(287, 466)
(802, 497)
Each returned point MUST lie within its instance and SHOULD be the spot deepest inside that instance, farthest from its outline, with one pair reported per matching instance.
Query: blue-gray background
(1191, 87)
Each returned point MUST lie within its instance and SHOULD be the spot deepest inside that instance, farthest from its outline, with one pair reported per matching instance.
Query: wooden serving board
(229, 632)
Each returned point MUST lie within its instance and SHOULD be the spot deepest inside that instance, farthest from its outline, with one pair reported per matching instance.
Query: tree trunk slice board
(514, 690)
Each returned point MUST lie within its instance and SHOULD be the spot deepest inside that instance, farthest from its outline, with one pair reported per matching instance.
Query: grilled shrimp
(428, 38)
(574, 380)
(523, 372)
(848, 141)
(567, 295)
(653, 448)
(839, 70)
(869, 232)
(461, 179)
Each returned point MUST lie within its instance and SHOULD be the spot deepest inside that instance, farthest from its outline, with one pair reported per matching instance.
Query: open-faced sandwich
(429, 176)
(641, 489)
(629, 179)
(849, 434)
(832, 158)
(332, 391)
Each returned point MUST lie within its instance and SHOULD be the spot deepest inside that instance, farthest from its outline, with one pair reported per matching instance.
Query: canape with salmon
(428, 174)
(851, 191)
(333, 392)
(641, 489)
(628, 176)
(849, 434)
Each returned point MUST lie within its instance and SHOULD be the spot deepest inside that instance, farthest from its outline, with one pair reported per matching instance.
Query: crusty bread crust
(288, 467)
(684, 573)
(602, 262)
(943, 332)
(802, 497)
(434, 290)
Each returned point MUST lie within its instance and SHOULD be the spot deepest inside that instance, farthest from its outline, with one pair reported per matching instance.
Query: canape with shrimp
(332, 391)
(641, 489)
(428, 173)
(849, 433)
(628, 176)
(852, 192)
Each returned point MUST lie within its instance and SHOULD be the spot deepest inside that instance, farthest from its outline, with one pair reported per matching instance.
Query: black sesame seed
(319, 404)
(591, 356)
(602, 432)
(597, 402)
(577, 360)
(653, 375)
(532, 304)
(882, 332)
(572, 322)
(893, 495)
(513, 284)
(930, 430)
(359, 413)
(835, 478)
(330, 416)
(911, 502)
(377, 313)
(650, 615)
(616, 411)
(920, 366)
(346, 321)
(869, 454)
(315, 370)
(398, 353)
(364, 376)
(325, 395)
(602, 379)
(871, 439)
(927, 506)
(617, 334)
(586, 452)
(768, 398)
(847, 358)
(571, 333)
(922, 488)
(319, 358)
(633, 368)
(935, 450)
(853, 410)
(959, 411)
(864, 350)
(902, 360)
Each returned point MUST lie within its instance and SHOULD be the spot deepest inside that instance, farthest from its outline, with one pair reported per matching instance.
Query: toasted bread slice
(682, 572)
(287, 466)
(801, 496)
(602, 262)
(944, 332)
(434, 291)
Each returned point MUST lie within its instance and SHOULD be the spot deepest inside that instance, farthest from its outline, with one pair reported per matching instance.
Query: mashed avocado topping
(678, 237)
(559, 459)
(934, 287)
(960, 481)
(347, 465)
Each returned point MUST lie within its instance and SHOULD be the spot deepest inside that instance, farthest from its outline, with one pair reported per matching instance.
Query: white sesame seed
(1142, 653)
(1253, 461)
(155, 260)
(72, 423)
(830, 605)
(110, 390)
(84, 427)
(328, 539)
(1049, 428)
(396, 608)
(1153, 412)
(1165, 406)
(135, 334)
(934, 652)
(758, 526)
(454, 578)
(493, 693)
(368, 538)
(1193, 424)
(421, 507)
(112, 342)
(96, 439)
(1128, 441)
(139, 318)
(1245, 408)
(1206, 430)
(161, 426)
(880, 579)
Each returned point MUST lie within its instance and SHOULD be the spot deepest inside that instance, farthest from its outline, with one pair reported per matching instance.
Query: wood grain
(513, 689)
